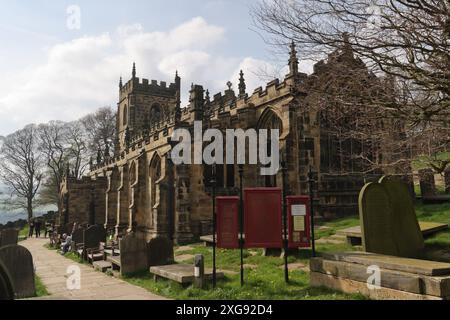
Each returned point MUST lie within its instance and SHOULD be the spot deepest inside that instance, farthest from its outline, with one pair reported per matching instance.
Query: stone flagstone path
(51, 267)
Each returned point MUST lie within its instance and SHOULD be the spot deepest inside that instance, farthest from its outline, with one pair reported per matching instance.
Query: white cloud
(82, 75)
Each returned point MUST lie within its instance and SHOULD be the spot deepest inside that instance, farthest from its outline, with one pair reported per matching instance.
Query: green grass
(265, 282)
(24, 231)
(41, 290)
(421, 161)
(436, 213)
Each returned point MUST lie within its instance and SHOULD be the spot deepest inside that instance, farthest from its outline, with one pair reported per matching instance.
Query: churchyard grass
(264, 275)
(263, 279)
(24, 231)
(41, 290)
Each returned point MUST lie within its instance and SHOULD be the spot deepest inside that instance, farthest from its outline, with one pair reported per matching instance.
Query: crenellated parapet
(153, 87)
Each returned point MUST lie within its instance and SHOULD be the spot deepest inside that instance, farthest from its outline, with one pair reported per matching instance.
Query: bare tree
(100, 128)
(398, 93)
(405, 39)
(52, 145)
(21, 166)
(77, 141)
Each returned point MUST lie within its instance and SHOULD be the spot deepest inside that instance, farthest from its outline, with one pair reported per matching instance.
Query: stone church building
(139, 188)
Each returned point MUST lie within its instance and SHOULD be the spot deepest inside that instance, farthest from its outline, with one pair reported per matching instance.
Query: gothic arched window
(269, 120)
(155, 113)
(125, 115)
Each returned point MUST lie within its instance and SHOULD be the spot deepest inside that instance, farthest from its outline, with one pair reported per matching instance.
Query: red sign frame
(227, 222)
(302, 238)
(262, 218)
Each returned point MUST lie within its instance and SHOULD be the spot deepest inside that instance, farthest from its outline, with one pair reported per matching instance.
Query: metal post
(241, 221)
(285, 222)
(311, 197)
(213, 183)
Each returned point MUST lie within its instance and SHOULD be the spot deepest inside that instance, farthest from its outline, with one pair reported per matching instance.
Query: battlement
(152, 87)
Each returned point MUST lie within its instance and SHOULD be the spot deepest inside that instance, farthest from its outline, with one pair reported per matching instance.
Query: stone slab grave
(102, 265)
(428, 229)
(18, 263)
(181, 273)
(207, 240)
(388, 221)
(401, 278)
(8, 237)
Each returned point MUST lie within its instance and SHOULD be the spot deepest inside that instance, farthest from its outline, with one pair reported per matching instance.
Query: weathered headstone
(93, 236)
(77, 236)
(375, 213)
(388, 222)
(8, 237)
(427, 183)
(160, 252)
(447, 180)
(133, 254)
(6, 285)
(407, 233)
(19, 263)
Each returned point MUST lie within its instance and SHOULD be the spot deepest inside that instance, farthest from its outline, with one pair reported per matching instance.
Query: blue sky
(51, 72)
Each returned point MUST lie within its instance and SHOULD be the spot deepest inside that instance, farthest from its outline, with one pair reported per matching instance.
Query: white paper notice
(298, 210)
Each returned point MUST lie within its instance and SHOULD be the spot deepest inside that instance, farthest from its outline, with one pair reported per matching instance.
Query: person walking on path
(31, 227)
(37, 227)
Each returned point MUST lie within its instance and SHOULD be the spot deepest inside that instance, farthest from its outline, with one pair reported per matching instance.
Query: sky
(61, 60)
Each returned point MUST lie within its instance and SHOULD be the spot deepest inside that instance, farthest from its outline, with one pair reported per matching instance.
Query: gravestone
(160, 252)
(447, 180)
(133, 254)
(427, 183)
(375, 214)
(8, 237)
(19, 263)
(388, 222)
(6, 286)
(407, 233)
(77, 236)
(93, 236)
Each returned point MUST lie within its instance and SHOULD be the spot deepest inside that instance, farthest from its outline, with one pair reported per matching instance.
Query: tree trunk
(30, 209)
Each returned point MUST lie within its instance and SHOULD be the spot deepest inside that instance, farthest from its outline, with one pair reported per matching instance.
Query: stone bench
(181, 273)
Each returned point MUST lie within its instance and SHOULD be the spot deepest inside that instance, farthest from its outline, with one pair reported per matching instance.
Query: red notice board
(299, 213)
(262, 218)
(227, 222)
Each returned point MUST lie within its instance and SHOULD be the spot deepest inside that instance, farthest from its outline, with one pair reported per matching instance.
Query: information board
(262, 218)
(299, 212)
(227, 222)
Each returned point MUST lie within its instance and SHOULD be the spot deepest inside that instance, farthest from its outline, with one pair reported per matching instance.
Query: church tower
(143, 104)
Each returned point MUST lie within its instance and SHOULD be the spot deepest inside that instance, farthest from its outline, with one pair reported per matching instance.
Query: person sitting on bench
(65, 245)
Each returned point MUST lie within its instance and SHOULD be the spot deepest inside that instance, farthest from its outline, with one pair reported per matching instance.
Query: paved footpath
(51, 267)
